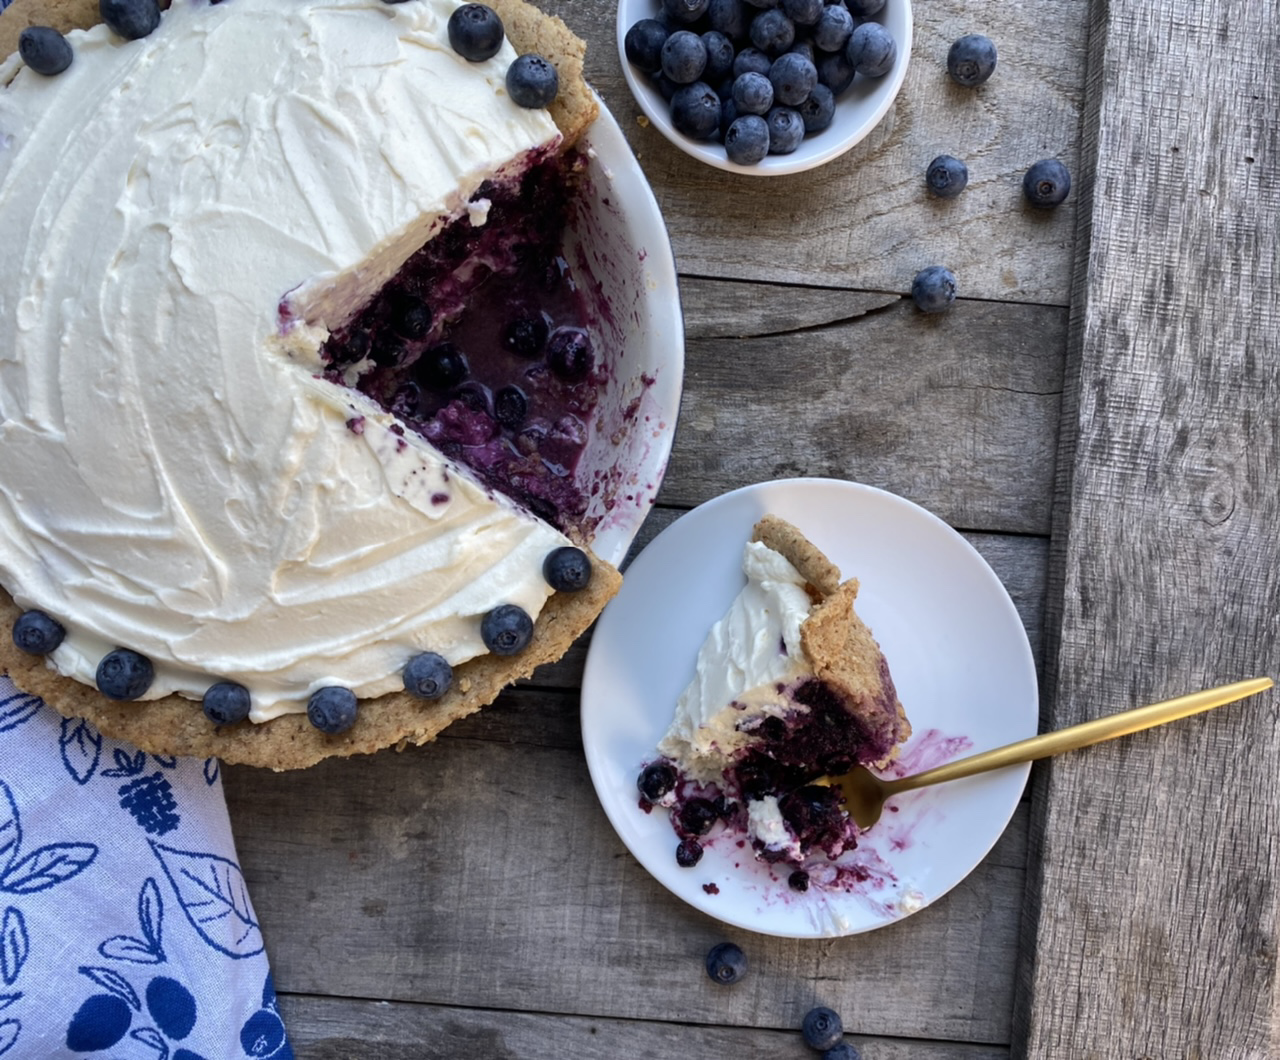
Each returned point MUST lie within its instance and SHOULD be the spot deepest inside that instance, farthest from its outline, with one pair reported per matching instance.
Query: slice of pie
(295, 376)
(790, 687)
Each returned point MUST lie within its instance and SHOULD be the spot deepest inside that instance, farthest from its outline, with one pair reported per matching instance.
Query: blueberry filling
(480, 344)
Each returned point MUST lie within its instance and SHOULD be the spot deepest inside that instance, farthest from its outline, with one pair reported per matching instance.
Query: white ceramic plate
(960, 660)
(621, 240)
(859, 108)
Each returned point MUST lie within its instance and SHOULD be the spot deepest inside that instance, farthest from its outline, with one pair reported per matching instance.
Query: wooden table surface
(1099, 414)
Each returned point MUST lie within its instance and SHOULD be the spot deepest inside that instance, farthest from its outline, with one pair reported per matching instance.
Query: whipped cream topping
(185, 217)
(747, 655)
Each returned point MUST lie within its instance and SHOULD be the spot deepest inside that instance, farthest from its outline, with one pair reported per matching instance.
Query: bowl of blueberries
(764, 87)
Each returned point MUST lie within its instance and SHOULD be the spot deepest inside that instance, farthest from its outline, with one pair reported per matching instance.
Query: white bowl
(859, 108)
(620, 241)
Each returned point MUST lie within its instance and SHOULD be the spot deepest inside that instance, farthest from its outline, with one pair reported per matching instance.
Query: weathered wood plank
(480, 871)
(865, 220)
(1158, 857)
(339, 1029)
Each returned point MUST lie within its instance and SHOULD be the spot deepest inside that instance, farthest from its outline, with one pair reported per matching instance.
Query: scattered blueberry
(818, 110)
(843, 1051)
(36, 633)
(688, 853)
(226, 703)
(526, 335)
(427, 675)
(475, 32)
(686, 11)
(772, 32)
(726, 963)
(332, 709)
(798, 881)
(1046, 183)
(442, 367)
(44, 50)
(506, 630)
(793, 77)
(833, 29)
(684, 57)
(822, 1028)
(532, 82)
(751, 60)
(387, 350)
(946, 176)
(971, 60)
(567, 569)
(409, 315)
(786, 130)
(697, 816)
(803, 12)
(643, 44)
(720, 54)
(124, 674)
(746, 141)
(753, 94)
(871, 50)
(934, 289)
(656, 780)
(570, 354)
(132, 19)
(510, 407)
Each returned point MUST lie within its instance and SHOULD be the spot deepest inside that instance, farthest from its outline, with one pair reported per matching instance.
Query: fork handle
(1085, 734)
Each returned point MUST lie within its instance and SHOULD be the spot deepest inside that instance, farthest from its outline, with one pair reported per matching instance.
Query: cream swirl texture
(184, 217)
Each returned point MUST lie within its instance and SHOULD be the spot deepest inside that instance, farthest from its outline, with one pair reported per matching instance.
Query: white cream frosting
(174, 478)
(746, 655)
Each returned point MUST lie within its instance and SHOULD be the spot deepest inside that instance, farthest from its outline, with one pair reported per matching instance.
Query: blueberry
(786, 130)
(567, 569)
(726, 963)
(934, 289)
(818, 110)
(510, 407)
(643, 44)
(803, 12)
(332, 709)
(720, 55)
(36, 633)
(408, 314)
(793, 77)
(684, 57)
(685, 11)
(764, 4)
(570, 354)
(833, 29)
(441, 368)
(124, 674)
(728, 114)
(822, 1028)
(805, 49)
(506, 630)
(751, 60)
(656, 780)
(772, 32)
(971, 60)
(728, 17)
(946, 176)
(226, 703)
(526, 335)
(798, 881)
(753, 93)
(387, 349)
(747, 140)
(697, 816)
(835, 72)
(871, 50)
(688, 853)
(843, 1051)
(44, 50)
(532, 82)
(132, 19)
(865, 8)
(1046, 183)
(427, 675)
(475, 32)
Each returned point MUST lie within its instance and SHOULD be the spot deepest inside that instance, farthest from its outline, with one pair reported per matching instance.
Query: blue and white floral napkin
(126, 929)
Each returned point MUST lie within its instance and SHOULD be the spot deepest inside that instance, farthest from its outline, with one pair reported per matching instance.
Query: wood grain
(865, 220)
(1158, 856)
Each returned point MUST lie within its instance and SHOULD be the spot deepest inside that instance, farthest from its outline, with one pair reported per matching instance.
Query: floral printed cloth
(126, 929)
